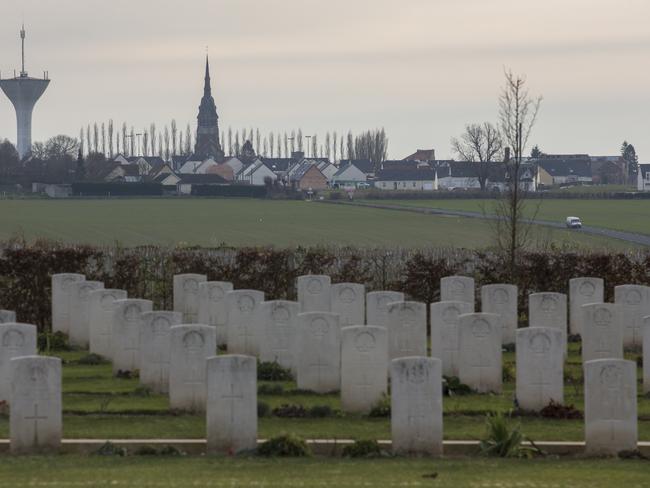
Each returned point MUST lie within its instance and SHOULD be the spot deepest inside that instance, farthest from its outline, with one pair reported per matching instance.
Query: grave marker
(7, 316)
(244, 321)
(407, 329)
(61, 300)
(212, 307)
(445, 333)
(377, 306)
(125, 335)
(602, 331)
(581, 292)
(319, 352)
(348, 301)
(155, 350)
(186, 295)
(480, 352)
(100, 317)
(314, 293)
(279, 319)
(15, 340)
(457, 289)
(502, 300)
(635, 305)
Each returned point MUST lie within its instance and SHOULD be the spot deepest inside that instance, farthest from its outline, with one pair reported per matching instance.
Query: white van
(574, 223)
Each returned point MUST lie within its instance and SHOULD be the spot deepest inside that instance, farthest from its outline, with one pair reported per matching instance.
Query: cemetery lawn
(623, 215)
(68, 470)
(251, 222)
(98, 406)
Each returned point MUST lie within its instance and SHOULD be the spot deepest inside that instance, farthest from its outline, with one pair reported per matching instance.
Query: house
(555, 171)
(256, 173)
(160, 168)
(187, 181)
(224, 170)
(464, 175)
(178, 160)
(327, 168)
(607, 170)
(307, 176)
(279, 166)
(121, 159)
(406, 179)
(235, 163)
(348, 176)
(167, 180)
(145, 163)
(643, 177)
(422, 155)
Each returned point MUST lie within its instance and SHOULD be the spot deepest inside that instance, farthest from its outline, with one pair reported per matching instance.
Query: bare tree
(517, 116)
(327, 146)
(265, 147)
(181, 146)
(166, 141)
(188, 140)
(152, 138)
(230, 140)
(132, 142)
(110, 138)
(237, 146)
(88, 139)
(272, 143)
(95, 138)
(124, 143)
(371, 145)
(257, 140)
(314, 146)
(351, 154)
(482, 144)
(299, 142)
(145, 142)
(81, 141)
(279, 143)
(174, 136)
(334, 146)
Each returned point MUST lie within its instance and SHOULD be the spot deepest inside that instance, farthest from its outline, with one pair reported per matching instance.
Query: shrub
(110, 449)
(170, 451)
(53, 341)
(508, 372)
(321, 411)
(286, 445)
(453, 387)
(381, 408)
(558, 411)
(92, 359)
(290, 411)
(146, 451)
(503, 440)
(362, 449)
(273, 371)
(263, 409)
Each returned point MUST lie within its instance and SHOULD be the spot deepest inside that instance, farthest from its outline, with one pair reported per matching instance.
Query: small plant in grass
(104, 402)
(110, 449)
(362, 449)
(510, 347)
(53, 341)
(171, 451)
(125, 374)
(558, 411)
(265, 389)
(452, 386)
(286, 445)
(572, 338)
(508, 373)
(290, 411)
(321, 411)
(263, 409)
(504, 440)
(633, 454)
(381, 408)
(222, 349)
(273, 371)
(92, 359)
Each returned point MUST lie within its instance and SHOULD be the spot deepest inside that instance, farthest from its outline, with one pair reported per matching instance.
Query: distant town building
(643, 177)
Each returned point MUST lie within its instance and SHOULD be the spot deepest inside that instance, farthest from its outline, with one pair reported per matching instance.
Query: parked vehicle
(574, 223)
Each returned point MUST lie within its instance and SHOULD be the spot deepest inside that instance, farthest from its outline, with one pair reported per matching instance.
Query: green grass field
(625, 215)
(98, 406)
(64, 471)
(248, 222)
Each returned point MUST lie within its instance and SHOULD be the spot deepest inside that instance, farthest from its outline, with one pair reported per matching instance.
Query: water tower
(24, 92)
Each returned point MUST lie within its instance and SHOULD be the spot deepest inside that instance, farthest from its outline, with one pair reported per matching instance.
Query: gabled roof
(364, 165)
(406, 174)
(302, 170)
(422, 155)
(277, 164)
(566, 167)
(354, 169)
(644, 167)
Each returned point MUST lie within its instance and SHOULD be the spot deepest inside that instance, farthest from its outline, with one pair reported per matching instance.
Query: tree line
(108, 139)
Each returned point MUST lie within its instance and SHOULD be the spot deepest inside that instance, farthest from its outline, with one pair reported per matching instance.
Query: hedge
(146, 272)
(116, 189)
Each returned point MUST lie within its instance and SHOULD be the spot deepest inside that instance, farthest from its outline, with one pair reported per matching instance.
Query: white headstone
(348, 301)
(416, 406)
(61, 300)
(548, 310)
(602, 331)
(457, 289)
(35, 420)
(364, 366)
(15, 340)
(445, 334)
(7, 316)
(407, 329)
(319, 352)
(635, 303)
(125, 335)
(540, 367)
(244, 321)
(581, 292)
(377, 306)
(100, 318)
(191, 346)
(186, 295)
(80, 311)
(212, 307)
(155, 348)
(646, 355)
(279, 333)
(314, 293)
(610, 406)
(502, 300)
(232, 404)
(480, 352)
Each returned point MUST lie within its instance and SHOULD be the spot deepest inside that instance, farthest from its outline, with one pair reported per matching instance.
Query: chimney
(298, 155)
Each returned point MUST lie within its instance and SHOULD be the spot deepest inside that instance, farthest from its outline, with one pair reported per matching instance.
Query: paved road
(640, 239)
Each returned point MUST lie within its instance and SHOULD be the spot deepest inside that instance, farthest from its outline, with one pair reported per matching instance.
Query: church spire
(207, 90)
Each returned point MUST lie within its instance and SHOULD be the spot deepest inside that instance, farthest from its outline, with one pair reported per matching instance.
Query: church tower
(207, 134)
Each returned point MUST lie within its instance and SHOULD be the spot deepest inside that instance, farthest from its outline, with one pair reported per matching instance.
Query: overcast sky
(420, 68)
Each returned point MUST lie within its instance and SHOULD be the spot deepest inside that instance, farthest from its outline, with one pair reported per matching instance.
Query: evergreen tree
(80, 171)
